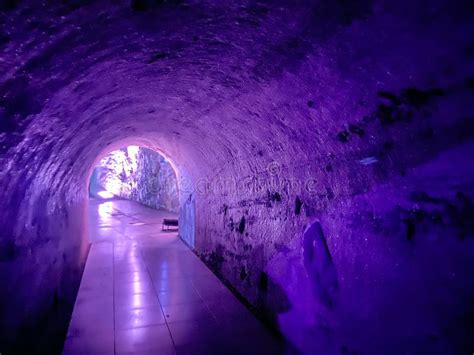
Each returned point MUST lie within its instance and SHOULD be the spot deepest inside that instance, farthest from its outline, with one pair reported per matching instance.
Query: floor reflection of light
(164, 269)
(105, 209)
(135, 335)
(136, 319)
(136, 278)
(137, 300)
(140, 287)
(164, 275)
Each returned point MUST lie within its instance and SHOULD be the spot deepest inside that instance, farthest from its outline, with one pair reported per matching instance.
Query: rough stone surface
(355, 115)
(140, 175)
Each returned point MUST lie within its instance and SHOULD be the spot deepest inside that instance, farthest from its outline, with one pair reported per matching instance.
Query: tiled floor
(145, 292)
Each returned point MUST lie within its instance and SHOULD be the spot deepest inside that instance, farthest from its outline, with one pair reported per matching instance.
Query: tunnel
(323, 158)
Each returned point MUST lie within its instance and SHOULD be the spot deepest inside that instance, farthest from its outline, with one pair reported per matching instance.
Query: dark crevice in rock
(298, 205)
(319, 265)
(241, 228)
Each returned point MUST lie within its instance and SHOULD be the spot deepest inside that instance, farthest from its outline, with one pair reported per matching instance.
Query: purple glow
(318, 153)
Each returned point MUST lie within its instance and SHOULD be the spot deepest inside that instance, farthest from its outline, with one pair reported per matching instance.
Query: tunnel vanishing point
(323, 152)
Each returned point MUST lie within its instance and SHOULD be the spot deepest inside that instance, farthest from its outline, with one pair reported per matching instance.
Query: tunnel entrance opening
(137, 174)
(132, 186)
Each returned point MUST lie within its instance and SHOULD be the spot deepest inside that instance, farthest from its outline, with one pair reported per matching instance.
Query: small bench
(167, 222)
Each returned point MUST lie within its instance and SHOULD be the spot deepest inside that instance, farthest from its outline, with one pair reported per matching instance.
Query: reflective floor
(145, 292)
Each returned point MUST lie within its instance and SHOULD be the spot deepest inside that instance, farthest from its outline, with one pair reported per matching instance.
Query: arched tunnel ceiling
(215, 85)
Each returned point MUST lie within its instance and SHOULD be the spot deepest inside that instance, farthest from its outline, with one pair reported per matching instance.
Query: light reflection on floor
(105, 210)
(144, 291)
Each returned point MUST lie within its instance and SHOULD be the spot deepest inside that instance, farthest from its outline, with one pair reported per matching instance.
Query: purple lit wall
(323, 151)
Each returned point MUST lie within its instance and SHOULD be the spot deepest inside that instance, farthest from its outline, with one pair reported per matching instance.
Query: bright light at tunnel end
(119, 162)
(105, 194)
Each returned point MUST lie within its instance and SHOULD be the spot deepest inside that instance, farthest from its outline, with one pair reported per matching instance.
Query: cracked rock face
(322, 150)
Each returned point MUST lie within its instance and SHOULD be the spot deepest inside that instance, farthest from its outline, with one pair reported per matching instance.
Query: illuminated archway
(128, 150)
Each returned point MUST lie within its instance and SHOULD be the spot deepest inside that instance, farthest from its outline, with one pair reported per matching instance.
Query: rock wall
(323, 152)
(140, 175)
